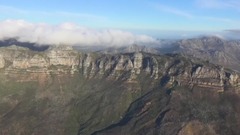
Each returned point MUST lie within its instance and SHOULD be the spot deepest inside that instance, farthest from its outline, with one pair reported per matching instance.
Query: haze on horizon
(115, 22)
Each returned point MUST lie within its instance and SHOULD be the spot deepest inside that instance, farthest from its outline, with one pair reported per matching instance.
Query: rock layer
(171, 69)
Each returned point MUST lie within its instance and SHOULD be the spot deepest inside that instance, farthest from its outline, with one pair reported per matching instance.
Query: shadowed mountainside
(31, 46)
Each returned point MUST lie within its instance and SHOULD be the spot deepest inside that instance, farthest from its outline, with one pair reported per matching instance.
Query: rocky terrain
(213, 49)
(66, 92)
(129, 49)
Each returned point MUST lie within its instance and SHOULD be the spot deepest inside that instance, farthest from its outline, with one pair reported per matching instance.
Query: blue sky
(151, 17)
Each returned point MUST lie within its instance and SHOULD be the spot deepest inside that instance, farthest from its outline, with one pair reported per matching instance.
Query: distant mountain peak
(61, 47)
(212, 39)
(130, 49)
(29, 45)
(135, 48)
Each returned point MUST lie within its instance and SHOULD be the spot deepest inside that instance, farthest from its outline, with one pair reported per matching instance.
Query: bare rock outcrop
(2, 61)
(169, 69)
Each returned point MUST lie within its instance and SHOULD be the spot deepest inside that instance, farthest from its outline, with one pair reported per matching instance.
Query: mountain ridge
(96, 64)
(64, 91)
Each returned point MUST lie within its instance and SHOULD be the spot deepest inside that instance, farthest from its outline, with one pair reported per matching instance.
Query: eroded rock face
(234, 79)
(169, 69)
(63, 56)
(124, 63)
(38, 61)
(197, 128)
(138, 62)
(2, 62)
(24, 59)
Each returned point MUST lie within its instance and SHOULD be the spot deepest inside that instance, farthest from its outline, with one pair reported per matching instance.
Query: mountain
(129, 49)
(212, 49)
(14, 41)
(61, 91)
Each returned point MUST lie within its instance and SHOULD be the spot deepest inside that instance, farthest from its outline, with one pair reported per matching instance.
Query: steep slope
(184, 112)
(61, 91)
(213, 49)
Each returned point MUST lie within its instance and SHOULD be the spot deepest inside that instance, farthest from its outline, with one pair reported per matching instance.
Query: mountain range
(213, 49)
(190, 87)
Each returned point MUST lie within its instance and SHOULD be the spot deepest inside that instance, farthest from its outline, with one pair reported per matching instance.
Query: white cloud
(69, 33)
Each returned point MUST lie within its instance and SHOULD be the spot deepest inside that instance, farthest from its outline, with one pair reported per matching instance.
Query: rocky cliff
(176, 68)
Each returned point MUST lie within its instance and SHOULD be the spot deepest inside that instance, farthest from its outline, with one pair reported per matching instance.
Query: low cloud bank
(70, 34)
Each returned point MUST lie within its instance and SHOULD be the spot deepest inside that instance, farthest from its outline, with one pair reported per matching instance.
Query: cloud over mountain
(69, 33)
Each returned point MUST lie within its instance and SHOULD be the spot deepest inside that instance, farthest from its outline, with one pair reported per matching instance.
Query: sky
(141, 20)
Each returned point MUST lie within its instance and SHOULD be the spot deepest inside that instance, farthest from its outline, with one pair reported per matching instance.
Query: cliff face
(2, 62)
(17, 58)
(171, 69)
(63, 91)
